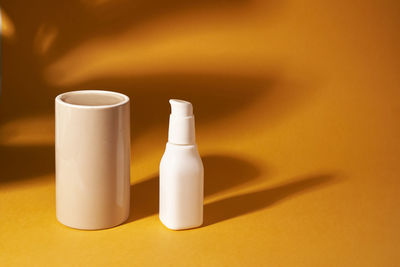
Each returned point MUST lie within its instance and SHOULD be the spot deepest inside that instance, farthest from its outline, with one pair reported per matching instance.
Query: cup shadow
(242, 204)
(20, 162)
(221, 173)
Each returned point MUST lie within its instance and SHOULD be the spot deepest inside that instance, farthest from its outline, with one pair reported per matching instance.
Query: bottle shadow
(222, 173)
(238, 205)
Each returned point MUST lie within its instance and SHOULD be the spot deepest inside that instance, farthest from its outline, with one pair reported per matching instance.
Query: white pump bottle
(181, 172)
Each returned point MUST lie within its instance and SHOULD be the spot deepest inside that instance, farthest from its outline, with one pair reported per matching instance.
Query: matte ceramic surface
(92, 159)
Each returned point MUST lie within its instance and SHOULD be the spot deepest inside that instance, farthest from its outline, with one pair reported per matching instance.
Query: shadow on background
(67, 24)
(77, 21)
(214, 96)
(235, 206)
(20, 162)
(221, 173)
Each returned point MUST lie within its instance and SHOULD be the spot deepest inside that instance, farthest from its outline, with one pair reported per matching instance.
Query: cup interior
(92, 98)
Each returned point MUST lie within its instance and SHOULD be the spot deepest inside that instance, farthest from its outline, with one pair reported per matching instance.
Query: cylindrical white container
(92, 159)
(181, 172)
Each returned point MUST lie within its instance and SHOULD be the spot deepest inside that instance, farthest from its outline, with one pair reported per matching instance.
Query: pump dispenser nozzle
(181, 107)
(181, 123)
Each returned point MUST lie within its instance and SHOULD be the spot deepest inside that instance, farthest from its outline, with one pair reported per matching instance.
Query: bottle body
(181, 187)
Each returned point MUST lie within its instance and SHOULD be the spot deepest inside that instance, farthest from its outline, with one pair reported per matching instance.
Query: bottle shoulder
(181, 151)
(181, 159)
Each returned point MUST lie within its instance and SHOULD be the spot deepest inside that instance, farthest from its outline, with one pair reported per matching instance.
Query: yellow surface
(297, 106)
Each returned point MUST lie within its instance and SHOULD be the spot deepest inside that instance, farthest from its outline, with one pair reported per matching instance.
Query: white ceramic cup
(92, 159)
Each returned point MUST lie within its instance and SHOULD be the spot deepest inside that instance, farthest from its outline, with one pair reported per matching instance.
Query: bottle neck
(181, 130)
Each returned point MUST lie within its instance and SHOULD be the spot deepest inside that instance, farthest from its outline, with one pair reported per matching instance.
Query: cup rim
(59, 99)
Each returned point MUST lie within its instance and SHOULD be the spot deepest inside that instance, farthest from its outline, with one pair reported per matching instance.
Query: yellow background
(297, 107)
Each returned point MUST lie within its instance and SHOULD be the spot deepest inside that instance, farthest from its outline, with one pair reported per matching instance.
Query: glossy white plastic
(181, 172)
